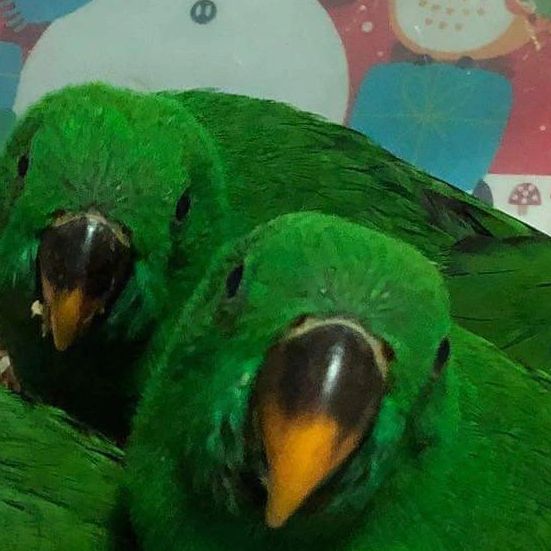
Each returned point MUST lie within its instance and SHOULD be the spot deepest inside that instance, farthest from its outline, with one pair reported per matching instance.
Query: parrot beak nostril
(83, 264)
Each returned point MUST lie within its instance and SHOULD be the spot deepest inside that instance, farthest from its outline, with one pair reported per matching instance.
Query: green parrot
(114, 202)
(59, 485)
(93, 219)
(315, 394)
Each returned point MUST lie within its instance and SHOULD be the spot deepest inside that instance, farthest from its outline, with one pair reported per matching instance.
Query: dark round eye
(23, 166)
(442, 356)
(203, 11)
(234, 280)
(183, 206)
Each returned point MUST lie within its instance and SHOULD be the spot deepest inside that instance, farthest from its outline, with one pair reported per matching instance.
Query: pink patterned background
(470, 78)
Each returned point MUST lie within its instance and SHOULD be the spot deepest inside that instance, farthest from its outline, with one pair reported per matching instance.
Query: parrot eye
(183, 206)
(442, 356)
(234, 280)
(23, 166)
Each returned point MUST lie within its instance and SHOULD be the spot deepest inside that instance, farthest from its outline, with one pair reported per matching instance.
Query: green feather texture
(502, 290)
(239, 162)
(59, 485)
(456, 461)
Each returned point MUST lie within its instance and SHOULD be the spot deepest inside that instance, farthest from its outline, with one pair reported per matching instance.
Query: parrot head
(95, 195)
(314, 343)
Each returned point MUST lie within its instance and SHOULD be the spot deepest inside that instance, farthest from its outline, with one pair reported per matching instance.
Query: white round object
(287, 50)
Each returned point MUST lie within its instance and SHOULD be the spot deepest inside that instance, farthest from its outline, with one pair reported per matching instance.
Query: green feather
(502, 289)
(131, 157)
(460, 461)
(59, 485)
(279, 160)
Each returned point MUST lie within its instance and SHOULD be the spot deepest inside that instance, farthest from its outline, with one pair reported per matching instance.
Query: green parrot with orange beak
(315, 393)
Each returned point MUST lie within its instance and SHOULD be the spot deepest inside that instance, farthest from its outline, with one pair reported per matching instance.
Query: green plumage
(59, 486)
(502, 290)
(233, 162)
(456, 461)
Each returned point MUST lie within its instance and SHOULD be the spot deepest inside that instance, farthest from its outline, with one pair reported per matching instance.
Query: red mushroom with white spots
(525, 195)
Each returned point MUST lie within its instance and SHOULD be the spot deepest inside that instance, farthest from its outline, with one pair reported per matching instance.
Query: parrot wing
(502, 291)
(58, 484)
(278, 159)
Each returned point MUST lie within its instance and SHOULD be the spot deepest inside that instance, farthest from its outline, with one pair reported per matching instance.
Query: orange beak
(70, 313)
(301, 454)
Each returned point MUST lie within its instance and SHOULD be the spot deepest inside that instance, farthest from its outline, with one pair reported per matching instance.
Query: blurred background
(460, 88)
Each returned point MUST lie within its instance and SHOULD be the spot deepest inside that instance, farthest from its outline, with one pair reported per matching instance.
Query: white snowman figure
(285, 50)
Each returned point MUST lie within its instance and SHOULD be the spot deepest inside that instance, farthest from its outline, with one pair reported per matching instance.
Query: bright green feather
(59, 486)
(279, 160)
(502, 290)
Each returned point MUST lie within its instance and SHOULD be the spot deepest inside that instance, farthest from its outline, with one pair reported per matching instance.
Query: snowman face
(284, 50)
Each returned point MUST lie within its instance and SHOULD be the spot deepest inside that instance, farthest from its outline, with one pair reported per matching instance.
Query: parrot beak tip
(69, 313)
(62, 343)
(273, 520)
(61, 346)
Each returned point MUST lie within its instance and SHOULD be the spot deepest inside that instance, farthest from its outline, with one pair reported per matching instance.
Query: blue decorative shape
(11, 61)
(38, 11)
(443, 119)
(7, 122)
